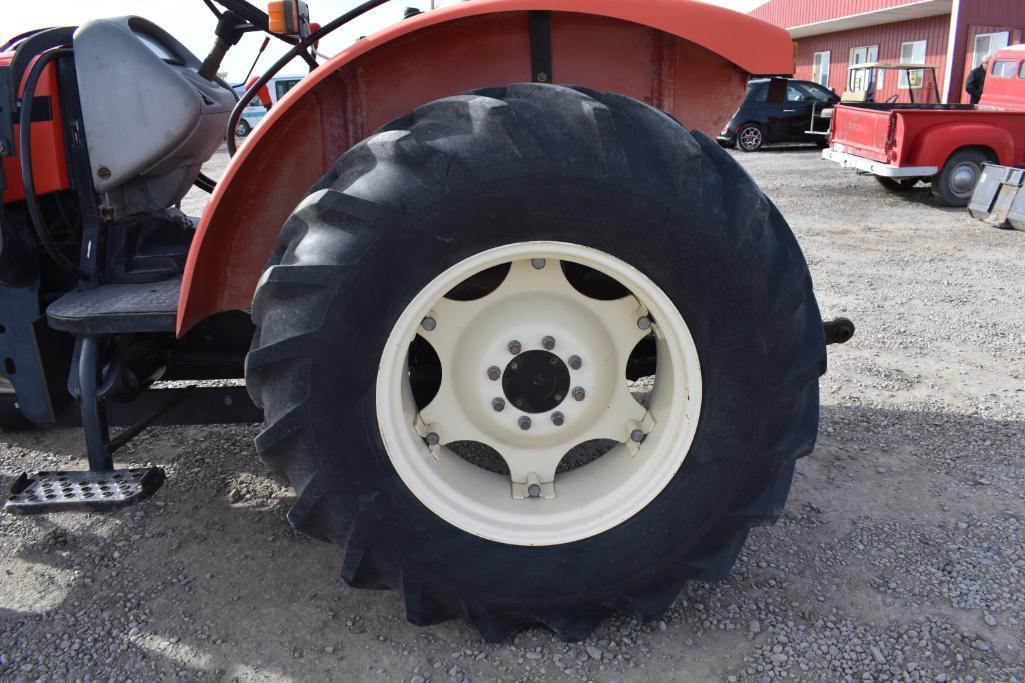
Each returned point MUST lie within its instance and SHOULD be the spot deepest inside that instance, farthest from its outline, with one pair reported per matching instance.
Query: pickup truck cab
(904, 143)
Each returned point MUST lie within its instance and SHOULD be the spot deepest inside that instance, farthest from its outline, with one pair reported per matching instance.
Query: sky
(193, 24)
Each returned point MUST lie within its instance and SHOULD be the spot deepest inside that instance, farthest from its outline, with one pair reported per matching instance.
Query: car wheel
(750, 138)
(242, 128)
(956, 182)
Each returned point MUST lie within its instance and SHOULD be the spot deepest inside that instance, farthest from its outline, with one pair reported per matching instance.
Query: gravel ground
(901, 555)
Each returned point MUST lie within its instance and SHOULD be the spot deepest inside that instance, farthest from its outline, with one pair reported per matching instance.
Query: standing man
(977, 80)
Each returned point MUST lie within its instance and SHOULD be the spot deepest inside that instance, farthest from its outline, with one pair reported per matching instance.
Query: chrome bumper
(877, 167)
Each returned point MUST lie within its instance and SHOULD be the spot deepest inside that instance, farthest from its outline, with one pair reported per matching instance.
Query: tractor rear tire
(505, 168)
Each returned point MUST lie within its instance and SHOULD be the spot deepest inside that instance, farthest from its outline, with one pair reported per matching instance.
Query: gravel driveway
(901, 554)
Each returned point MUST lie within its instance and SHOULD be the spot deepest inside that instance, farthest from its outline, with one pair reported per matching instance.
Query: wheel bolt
(579, 394)
(534, 490)
(524, 423)
(558, 419)
(637, 436)
(575, 362)
(494, 373)
(498, 404)
(432, 439)
(548, 343)
(538, 263)
(644, 323)
(515, 347)
(429, 323)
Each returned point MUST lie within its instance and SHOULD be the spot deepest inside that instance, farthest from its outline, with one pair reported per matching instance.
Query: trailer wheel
(897, 184)
(956, 182)
(441, 353)
(750, 137)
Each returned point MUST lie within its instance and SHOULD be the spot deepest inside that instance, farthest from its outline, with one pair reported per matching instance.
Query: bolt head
(494, 373)
(524, 423)
(579, 394)
(637, 436)
(515, 347)
(538, 263)
(429, 323)
(575, 362)
(644, 323)
(534, 490)
(548, 343)
(558, 419)
(498, 404)
(432, 439)
(103, 172)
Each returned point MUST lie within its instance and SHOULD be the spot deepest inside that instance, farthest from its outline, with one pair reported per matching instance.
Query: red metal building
(953, 35)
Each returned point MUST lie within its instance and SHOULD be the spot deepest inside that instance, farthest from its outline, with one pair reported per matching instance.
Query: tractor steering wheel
(246, 10)
(891, 99)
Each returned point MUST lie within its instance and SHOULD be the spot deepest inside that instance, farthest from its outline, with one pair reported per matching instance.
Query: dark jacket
(976, 82)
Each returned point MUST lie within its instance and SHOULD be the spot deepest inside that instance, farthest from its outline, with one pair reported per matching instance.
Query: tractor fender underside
(689, 59)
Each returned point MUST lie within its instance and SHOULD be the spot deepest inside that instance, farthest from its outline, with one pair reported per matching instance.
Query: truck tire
(750, 137)
(900, 185)
(955, 183)
(454, 305)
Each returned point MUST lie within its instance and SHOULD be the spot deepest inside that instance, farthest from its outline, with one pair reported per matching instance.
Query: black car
(759, 121)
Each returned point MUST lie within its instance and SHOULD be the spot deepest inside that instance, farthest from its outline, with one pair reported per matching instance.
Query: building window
(986, 45)
(912, 53)
(820, 68)
(857, 80)
(1004, 68)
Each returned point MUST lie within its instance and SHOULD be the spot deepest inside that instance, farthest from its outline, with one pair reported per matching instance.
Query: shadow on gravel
(208, 581)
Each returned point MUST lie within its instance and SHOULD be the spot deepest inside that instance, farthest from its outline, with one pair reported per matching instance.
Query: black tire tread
(429, 145)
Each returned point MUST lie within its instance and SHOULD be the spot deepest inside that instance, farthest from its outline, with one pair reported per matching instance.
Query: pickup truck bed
(920, 142)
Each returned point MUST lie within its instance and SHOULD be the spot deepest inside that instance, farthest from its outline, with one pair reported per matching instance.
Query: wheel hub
(536, 381)
(534, 369)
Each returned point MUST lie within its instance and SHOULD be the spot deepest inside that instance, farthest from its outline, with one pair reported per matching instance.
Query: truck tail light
(891, 134)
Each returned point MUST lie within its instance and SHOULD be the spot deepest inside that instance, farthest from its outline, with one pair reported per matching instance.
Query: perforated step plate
(47, 492)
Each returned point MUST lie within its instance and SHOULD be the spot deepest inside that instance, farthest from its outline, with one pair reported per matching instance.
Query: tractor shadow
(207, 581)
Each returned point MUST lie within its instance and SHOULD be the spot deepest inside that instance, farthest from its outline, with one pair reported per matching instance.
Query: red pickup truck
(942, 144)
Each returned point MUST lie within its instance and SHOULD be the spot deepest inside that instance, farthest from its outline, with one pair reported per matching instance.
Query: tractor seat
(117, 309)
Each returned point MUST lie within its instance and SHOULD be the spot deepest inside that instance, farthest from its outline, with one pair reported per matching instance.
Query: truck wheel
(956, 182)
(750, 137)
(897, 184)
(441, 352)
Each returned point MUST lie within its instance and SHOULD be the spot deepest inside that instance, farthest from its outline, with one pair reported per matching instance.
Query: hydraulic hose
(35, 212)
(296, 51)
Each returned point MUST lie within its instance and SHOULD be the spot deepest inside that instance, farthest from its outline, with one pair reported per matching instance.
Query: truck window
(1004, 68)
(283, 86)
(1021, 71)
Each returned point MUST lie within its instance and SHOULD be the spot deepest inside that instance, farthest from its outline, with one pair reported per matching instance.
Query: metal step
(117, 309)
(47, 492)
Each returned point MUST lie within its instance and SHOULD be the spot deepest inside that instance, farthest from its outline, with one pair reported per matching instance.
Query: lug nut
(538, 263)
(558, 398)
(534, 490)
(432, 439)
(558, 419)
(637, 436)
(575, 362)
(494, 373)
(579, 394)
(515, 347)
(429, 323)
(498, 404)
(524, 423)
(548, 343)
(644, 323)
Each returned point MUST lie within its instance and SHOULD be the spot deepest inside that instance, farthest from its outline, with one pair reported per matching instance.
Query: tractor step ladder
(90, 315)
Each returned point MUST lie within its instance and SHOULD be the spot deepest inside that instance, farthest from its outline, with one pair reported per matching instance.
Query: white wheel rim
(532, 505)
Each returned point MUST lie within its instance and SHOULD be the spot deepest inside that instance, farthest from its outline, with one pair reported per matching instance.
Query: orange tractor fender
(690, 59)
